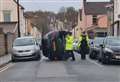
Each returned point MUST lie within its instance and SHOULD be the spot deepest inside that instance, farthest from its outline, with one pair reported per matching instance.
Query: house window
(7, 15)
(95, 20)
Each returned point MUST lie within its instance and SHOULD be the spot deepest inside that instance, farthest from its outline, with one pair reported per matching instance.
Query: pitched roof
(95, 8)
(19, 4)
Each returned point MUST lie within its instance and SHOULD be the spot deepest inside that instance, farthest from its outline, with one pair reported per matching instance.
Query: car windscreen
(98, 41)
(113, 41)
(24, 42)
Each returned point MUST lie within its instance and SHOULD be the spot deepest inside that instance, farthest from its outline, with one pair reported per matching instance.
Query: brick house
(76, 31)
(116, 18)
(31, 29)
(93, 18)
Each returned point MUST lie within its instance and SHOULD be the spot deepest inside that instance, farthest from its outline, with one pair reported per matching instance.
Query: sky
(51, 5)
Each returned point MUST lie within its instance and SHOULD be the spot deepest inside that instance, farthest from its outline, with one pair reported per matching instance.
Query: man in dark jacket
(83, 45)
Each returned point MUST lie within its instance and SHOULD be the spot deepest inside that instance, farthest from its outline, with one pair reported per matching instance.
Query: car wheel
(92, 55)
(13, 59)
(99, 59)
(103, 61)
(38, 56)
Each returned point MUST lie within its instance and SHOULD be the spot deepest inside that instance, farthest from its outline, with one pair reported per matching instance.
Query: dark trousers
(70, 54)
(83, 55)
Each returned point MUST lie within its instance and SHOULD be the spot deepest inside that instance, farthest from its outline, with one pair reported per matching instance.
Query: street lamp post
(18, 14)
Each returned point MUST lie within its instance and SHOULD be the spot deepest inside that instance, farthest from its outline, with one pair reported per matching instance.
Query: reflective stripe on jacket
(69, 42)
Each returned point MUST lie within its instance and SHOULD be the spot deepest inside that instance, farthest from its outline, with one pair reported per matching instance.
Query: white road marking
(6, 67)
(95, 62)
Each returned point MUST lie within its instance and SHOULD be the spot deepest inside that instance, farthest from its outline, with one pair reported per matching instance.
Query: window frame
(6, 15)
(94, 20)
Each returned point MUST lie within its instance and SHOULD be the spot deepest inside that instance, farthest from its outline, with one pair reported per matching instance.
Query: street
(60, 71)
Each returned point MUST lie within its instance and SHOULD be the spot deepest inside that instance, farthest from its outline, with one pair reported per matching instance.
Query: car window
(113, 41)
(24, 42)
(99, 41)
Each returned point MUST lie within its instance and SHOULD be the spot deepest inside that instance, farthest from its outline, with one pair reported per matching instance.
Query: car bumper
(32, 56)
(113, 58)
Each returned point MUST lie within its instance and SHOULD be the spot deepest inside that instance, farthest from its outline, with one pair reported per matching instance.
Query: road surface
(60, 71)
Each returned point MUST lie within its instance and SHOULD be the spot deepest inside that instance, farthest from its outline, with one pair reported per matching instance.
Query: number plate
(117, 57)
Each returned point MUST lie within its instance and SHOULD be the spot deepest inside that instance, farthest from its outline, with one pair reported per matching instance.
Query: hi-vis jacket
(80, 39)
(69, 42)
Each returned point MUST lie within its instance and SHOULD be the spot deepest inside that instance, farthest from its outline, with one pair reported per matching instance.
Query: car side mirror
(101, 45)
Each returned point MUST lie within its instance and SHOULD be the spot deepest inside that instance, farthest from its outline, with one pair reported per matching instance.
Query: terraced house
(93, 18)
(9, 14)
(9, 23)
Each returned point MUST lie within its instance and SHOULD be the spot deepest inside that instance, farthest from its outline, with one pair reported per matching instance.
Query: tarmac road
(60, 71)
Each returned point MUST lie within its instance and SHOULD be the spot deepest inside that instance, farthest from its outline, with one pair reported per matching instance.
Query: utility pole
(18, 14)
(113, 16)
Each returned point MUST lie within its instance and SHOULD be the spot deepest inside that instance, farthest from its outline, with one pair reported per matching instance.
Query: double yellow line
(6, 67)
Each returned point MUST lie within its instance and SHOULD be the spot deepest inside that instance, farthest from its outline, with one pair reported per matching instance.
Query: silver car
(25, 48)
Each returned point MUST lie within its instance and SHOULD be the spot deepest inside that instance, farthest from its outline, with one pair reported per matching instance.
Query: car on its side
(95, 48)
(110, 50)
(25, 48)
(53, 45)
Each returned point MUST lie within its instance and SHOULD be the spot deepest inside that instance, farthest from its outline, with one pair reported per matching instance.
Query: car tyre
(13, 59)
(38, 56)
(105, 61)
(92, 55)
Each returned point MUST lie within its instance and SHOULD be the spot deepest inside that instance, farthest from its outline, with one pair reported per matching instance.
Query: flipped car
(53, 44)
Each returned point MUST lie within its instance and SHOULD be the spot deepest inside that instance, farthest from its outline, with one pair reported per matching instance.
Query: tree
(69, 14)
(62, 10)
(40, 20)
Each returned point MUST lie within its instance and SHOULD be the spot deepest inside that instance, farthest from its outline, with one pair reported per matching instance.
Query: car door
(101, 47)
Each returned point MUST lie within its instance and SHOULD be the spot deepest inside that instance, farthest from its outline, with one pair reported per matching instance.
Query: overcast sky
(51, 5)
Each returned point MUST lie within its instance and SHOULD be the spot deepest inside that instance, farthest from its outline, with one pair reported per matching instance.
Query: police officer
(69, 46)
(83, 45)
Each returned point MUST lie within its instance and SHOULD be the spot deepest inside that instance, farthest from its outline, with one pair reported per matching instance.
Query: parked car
(25, 48)
(110, 50)
(95, 48)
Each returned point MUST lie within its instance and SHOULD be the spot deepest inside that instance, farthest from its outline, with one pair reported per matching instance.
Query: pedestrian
(83, 45)
(69, 46)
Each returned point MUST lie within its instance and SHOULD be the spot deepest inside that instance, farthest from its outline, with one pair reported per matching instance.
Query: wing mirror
(101, 45)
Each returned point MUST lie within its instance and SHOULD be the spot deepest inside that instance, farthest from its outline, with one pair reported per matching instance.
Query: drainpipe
(18, 12)
(113, 16)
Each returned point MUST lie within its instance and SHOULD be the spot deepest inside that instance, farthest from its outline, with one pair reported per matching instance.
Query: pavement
(60, 71)
(5, 59)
